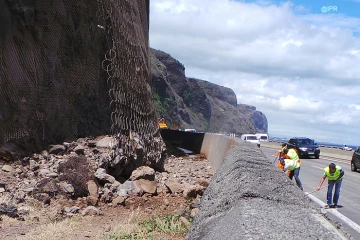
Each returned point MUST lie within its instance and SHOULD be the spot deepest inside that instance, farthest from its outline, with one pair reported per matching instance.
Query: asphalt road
(310, 175)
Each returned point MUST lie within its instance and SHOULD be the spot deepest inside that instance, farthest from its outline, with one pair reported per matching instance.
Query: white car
(250, 138)
(346, 148)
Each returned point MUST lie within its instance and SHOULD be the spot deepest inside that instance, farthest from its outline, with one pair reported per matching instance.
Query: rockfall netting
(52, 86)
(75, 68)
(133, 117)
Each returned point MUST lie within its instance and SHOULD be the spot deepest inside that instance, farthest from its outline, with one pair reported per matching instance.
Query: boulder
(191, 191)
(92, 188)
(7, 168)
(46, 173)
(57, 149)
(146, 185)
(47, 185)
(129, 188)
(67, 187)
(34, 165)
(173, 187)
(144, 178)
(79, 150)
(6, 155)
(91, 200)
(8, 210)
(103, 177)
(106, 142)
(118, 201)
(91, 211)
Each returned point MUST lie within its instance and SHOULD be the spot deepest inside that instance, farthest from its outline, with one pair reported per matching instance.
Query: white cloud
(304, 68)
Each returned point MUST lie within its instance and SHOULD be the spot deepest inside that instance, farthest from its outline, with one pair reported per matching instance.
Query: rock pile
(70, 178)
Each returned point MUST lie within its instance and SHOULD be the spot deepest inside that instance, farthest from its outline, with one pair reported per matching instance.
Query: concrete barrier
(214, 147)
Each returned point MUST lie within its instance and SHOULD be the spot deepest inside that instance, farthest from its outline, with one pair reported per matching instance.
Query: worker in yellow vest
(334, 174)
(293, 164)
(281, 154)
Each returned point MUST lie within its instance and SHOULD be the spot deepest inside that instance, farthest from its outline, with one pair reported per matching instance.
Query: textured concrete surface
(215, 147)
(249, 198)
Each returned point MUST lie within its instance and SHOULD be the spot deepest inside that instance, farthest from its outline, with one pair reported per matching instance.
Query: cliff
(199, 104)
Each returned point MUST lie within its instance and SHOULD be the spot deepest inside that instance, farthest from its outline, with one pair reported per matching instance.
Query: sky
(298, 62)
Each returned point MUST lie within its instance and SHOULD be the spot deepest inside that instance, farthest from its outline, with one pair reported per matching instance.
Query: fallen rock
(106, 142)
(6, 155)
(203, 183)
(34, 165)
(92, 188)
(146, 185)
(7, 168)
(91, 143)
(79, 150)
(194, 212)
(74, 209)
(103, 177)
(45, 154)
(91, 200)
(106, 196)
(91, 211)
(118, 201)
(191, 191)
(144, 178)
(47, 173)
(129, 188)
(47, 185)
(143, 172)
(67, 187)
(56, 149)
(8, 210)
(173, 187)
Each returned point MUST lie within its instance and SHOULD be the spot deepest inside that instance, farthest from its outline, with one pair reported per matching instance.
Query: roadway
(349, 202)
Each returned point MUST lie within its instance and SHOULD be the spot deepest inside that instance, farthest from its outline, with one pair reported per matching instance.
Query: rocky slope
(195, 103)
(51, 181)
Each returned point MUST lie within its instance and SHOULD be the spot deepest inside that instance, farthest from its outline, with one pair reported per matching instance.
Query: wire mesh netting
(50, 54)
(76, 68)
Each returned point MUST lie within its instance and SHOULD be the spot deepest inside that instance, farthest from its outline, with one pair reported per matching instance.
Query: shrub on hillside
(76, 171)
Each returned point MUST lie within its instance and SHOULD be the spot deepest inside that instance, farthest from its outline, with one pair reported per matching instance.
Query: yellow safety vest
(294, 164)
(294, 156)
(334, 176)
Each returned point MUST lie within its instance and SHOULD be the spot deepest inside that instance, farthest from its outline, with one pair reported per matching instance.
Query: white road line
(336, 213)
(336, 160)
(318, 167)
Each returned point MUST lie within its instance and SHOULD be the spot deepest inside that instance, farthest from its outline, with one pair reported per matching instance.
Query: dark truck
(305, 147)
